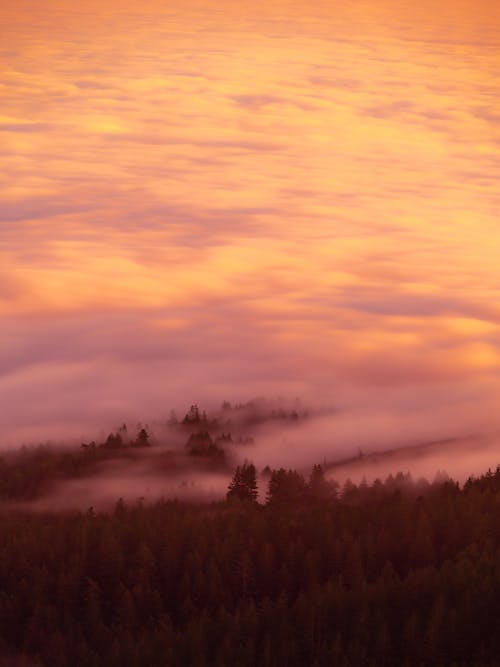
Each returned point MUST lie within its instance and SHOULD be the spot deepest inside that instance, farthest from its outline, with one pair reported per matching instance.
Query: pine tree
(244, 483)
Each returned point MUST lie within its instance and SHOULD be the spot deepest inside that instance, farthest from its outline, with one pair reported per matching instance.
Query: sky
(215, 200)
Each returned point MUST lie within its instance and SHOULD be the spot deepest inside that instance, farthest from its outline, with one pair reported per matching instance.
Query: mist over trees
(288, 568)
(198, 441)
(382, 574)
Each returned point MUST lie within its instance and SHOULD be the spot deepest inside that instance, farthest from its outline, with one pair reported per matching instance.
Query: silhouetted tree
(243, 486)
(193, 416)
(201, 444)
(114, 441)
(318, 486)
(142, 439)
(286, 486)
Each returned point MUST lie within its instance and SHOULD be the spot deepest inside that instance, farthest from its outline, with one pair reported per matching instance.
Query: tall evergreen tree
(244, 483)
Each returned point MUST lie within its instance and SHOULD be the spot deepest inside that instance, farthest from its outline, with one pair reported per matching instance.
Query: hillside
(382, 574)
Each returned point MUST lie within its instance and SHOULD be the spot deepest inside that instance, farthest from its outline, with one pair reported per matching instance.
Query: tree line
(391, 573)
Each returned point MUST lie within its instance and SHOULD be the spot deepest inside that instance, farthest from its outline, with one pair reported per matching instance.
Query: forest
(395, 572)
(284, 567)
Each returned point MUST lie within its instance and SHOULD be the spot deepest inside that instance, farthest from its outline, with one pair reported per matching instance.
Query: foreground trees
(244, 484)
(382, 575)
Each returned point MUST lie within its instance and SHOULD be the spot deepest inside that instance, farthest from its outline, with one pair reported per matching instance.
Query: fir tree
(244, 483)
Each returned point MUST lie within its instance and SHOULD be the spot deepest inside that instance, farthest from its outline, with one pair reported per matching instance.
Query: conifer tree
(244, 483)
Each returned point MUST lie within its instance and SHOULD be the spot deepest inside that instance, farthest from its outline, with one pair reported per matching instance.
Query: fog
(360, 445)
(458, 459)
(392, 421)
(102, 491)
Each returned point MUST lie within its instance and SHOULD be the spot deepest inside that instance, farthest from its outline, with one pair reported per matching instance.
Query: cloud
(288, 200)
(32, 208)
(25, 127)
(395, 302)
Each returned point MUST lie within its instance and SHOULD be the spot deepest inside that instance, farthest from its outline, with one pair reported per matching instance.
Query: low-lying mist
(192, 456)
(103, 490)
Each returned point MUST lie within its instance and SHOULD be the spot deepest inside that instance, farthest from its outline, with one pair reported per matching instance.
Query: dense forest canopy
(389, 573)
(290, 567)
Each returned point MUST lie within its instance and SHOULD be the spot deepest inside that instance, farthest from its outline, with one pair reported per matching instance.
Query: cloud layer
(200, 204)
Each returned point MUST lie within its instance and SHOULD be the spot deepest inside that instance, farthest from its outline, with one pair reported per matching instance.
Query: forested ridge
(197, 441)
(392, 573)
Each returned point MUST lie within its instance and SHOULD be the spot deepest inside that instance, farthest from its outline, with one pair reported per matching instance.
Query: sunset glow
(210, 200)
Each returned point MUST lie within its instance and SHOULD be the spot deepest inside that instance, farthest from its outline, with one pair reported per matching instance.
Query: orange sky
(222, 199)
